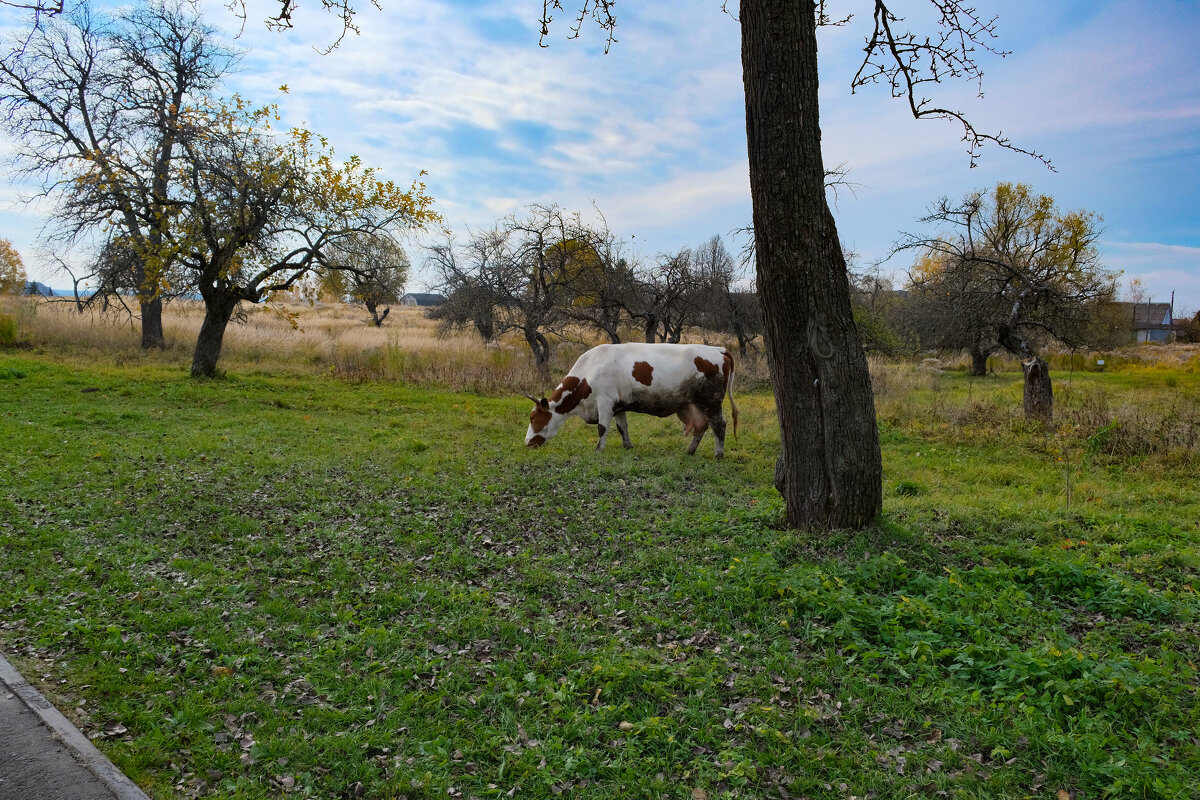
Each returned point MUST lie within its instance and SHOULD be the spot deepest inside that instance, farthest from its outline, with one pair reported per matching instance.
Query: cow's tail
(729, 391)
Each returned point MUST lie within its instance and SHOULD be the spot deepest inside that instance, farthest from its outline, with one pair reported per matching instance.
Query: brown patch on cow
(579, 391)
(707, 367)
(643, 372)
(569, 384)
(539, 419)
(536, 441)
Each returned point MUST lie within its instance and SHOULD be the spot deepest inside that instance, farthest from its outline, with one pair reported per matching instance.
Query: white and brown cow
(690, 380)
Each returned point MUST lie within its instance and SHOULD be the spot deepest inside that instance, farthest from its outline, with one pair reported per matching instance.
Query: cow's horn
(534, 399)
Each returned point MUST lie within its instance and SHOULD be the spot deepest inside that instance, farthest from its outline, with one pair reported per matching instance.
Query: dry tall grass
(333, 338)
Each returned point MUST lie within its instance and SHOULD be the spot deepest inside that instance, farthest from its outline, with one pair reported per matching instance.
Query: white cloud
(1163, 269)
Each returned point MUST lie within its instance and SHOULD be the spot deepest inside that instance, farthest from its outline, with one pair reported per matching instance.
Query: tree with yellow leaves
(12, 269)
(1008, 270)
(256, 213)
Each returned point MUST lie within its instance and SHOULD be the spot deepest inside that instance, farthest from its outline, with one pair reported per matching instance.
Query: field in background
(330, 338)
(302, 581)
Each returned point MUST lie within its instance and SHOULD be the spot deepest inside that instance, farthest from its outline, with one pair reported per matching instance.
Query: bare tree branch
(906, 62)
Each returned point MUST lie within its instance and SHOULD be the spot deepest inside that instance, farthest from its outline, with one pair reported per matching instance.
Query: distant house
(38, 289)
(1150, 322)
(424, 300)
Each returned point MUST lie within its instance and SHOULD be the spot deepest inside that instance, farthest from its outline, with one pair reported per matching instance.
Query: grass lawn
(280, 584)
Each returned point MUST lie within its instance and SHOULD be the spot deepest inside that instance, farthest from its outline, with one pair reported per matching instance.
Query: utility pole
(1171, 319)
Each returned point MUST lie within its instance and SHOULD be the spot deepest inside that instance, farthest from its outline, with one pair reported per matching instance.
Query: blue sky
(653, 133)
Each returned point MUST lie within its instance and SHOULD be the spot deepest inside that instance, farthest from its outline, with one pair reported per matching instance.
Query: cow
(690, 380)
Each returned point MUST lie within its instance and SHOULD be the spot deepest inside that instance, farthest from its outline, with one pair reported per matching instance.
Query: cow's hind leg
(717, 423)
(623, 428)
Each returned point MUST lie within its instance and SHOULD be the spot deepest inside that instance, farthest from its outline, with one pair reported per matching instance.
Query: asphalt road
(44, 757)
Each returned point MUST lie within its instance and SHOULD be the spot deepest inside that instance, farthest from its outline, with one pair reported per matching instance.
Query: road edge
(65, 731)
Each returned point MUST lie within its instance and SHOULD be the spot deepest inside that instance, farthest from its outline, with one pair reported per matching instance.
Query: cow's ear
(544, 403)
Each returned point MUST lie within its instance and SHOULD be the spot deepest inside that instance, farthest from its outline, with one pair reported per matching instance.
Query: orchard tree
(939, 318)
(1012, 271)
(1191, 331)
(659, 303)
(721, 302)
(12, 269)
(256, 215)
(599, 281)
(513, 278)
(98, 107)
(368, 269)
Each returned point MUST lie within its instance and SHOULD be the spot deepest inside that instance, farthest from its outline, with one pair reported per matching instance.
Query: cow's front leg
(623, 428)
(604, 418)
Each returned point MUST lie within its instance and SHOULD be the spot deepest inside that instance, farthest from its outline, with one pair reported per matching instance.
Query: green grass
(276, 583)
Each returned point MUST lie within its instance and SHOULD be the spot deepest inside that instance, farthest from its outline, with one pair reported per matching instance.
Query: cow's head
(543, 423)
(548, 415)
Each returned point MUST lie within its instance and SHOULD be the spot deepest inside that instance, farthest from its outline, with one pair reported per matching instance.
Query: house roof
(1148, 315)
(425, 299)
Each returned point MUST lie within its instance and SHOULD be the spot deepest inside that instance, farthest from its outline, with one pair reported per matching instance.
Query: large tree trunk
(829, 471)
(376, 318)
(978, 363)
(1039, 394)
(152, 325)
(217, 313)
(540, 347)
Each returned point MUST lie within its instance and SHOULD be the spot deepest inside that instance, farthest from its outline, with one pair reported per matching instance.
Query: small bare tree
(513, 278)
(369, 269)
(600, 284)
(721, 297)
(659, 302)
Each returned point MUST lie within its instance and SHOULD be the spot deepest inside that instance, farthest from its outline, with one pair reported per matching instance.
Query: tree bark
(152, 325)
(829, 470)
(217, 313)
(1039, 394)
(376, 318)
(978, 363)
(540, 347)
